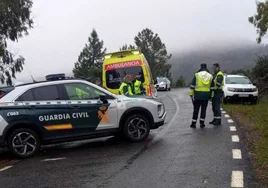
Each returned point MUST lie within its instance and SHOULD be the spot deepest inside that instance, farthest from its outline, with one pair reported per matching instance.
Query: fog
(62, 27)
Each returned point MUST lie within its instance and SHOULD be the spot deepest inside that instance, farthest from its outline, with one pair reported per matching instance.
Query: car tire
(24, 143)
(169, 88)
(136, 128)
(225, 101)
(166, 88)
(254, 101)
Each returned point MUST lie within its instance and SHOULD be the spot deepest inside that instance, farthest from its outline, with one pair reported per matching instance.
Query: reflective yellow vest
(215, 81)
(121, 89)
(203, 82)
(137, 87)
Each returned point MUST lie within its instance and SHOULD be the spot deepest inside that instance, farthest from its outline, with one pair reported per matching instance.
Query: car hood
(137, 97)
(244, 86)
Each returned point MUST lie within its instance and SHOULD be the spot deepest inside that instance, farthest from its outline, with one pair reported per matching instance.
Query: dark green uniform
(217, 95)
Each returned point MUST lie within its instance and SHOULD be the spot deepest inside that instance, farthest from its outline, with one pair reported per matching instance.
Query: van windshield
(115, 77)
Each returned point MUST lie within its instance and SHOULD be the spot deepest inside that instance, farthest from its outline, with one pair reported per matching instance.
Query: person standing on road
(217, 94)
(200, 93)
(125, 87)
(138, 86)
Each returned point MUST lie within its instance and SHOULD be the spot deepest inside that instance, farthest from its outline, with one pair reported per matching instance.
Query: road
(173, 156)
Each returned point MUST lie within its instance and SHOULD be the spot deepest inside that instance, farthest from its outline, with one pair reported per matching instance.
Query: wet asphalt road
(173, 156)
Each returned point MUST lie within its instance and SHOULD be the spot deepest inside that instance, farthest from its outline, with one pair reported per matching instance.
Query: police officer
(138, 87)
(125, 87)
(200, 93)
(217, 94)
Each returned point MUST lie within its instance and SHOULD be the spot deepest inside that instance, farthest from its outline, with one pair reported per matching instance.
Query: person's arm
(125, 90)
(192, 87)
(219, 81)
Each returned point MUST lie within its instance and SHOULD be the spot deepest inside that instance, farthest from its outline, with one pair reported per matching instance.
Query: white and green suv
(48, 112)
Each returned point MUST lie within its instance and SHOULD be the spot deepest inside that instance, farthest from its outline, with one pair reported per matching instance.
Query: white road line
(223, 112)
(232, 128)
(221, 109)
(237, 154)
(53, 159)
(5, 168)
(227, 116)
(237, 179)
(235, 138)
(230, 121)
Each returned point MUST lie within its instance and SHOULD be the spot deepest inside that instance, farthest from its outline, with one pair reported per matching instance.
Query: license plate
(243, 95)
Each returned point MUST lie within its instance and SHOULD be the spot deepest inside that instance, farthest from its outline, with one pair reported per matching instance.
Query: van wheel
(136, 128)
(24, 143)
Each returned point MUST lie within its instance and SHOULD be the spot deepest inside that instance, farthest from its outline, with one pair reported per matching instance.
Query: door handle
(75, 107)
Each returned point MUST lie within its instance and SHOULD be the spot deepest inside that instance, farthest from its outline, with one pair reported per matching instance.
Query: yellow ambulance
(117, 65)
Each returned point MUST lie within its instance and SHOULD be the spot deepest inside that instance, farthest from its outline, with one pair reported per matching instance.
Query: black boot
(193, 125)
(212, 122)
(217, 122)
(202, 125)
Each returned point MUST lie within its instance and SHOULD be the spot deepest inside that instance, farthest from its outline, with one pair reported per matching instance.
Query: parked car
(238, 87)
(163, 83)
(63, 110)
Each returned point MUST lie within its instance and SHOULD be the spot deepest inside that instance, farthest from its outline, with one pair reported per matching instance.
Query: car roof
(235, 75)
(20, 89)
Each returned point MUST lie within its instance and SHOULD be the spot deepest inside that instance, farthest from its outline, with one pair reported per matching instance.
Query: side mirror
(103, 99)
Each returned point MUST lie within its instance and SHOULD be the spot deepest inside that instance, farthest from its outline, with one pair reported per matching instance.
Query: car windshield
(115, 77)
(161, 80)
(237, 80)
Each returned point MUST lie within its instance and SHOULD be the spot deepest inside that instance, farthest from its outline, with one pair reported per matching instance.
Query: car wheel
(136, 128)
(166, 88)
(253, 101)
(225, 101)
(24, 143)
(169, 88)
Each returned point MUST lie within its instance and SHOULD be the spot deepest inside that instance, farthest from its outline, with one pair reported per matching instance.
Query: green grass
(254, 119)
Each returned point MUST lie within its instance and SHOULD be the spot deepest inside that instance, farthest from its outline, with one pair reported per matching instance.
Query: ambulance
(129, 62)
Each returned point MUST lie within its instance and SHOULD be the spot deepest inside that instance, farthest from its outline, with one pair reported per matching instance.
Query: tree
(260, 20)
(90, 60)
(15, 20)
(154, 51)
(180, 82)
(260, 74)
(126, 47)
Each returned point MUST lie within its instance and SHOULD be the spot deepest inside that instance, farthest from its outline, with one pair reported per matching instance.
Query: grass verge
(254, 124)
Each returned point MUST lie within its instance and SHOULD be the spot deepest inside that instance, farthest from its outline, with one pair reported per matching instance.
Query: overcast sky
(63, 26)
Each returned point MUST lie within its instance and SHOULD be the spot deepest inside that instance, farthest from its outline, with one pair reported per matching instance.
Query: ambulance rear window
(115, 77)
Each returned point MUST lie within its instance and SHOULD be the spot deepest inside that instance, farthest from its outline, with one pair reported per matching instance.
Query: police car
(56, 111)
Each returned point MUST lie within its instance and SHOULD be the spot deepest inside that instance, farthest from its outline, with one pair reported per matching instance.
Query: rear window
(5, 90)
(115, 77)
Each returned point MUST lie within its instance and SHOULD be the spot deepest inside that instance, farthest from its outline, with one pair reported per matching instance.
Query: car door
(87, 111)
(47, 110)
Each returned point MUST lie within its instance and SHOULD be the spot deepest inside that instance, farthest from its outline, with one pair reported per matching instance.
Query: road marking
(230, 121)
(226, 115)
(53, 159)
(221, 109)
(232, 128)
(5, 168)
(237, 179)
(237, 154)
(223, 112)
(235, 138)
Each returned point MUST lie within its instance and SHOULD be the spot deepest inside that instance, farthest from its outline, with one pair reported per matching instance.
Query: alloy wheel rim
(24, 143)
(137, 128)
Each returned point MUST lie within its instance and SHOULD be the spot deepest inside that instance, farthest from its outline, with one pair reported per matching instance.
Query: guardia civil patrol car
(48, 112)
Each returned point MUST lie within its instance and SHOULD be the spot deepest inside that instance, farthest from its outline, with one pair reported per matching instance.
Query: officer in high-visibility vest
(200, 93)
(138, 87)
(217, 94)
(125, 87)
